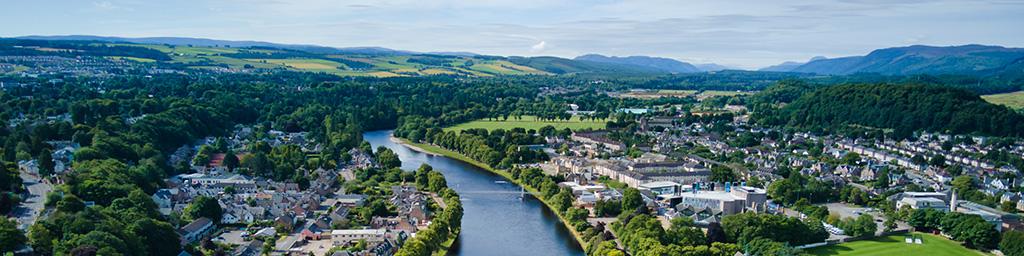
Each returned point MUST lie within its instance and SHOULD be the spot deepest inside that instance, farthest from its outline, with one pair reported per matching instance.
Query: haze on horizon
(744, 34)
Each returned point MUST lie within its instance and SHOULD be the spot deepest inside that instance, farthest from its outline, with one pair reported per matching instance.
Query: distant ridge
(663, 64)
(788, 66)
(970, 59)
(214, 42)
(709, 67)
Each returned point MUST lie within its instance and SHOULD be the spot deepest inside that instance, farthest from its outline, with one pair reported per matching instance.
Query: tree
(851, 158)
(10, 237)
(41, 238)
(684, 233)
(631, 199)
(721, 173)
(46, 164)
(607, 208)
(204, 206)
(925, 219)
(387, 159)
(763, 246)
(562, 200)
(882, 180)
(1012, 243)
(890, 224)
(938, 161)
(1008, 206)
(154, 235)
(70, 204)
(436, 182)
(863, 225)
(963, 184)
(231, 160)
(715, 233)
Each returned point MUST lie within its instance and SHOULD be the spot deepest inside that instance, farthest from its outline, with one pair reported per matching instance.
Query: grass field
(203, 57)
(894, 245)
(680, 93)
(723, 93)
(528, 122)
(1013, 100)
(304, 64)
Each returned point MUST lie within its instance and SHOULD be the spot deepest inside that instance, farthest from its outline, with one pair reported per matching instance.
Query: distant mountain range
(657, 63)
(214, 42)
(711, 67)
(789, 65)
(920, 59)
(981, 60)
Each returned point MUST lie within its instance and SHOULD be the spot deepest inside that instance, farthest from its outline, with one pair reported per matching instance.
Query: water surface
(496, 220)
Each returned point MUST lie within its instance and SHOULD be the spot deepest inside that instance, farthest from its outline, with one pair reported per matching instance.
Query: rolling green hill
(900, 108)
(251, 56)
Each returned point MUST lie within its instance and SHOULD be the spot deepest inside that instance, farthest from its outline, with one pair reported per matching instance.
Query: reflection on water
(497, 221)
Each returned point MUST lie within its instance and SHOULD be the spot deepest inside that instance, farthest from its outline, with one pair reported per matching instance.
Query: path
(34, 202)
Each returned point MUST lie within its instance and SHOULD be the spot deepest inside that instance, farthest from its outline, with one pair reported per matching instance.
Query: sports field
(529, 122)
(931, 245)
(1013, 100)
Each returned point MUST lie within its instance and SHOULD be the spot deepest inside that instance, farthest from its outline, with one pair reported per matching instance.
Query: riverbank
(435, 150)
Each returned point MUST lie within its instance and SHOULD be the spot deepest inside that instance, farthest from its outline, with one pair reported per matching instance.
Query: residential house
(195, 230)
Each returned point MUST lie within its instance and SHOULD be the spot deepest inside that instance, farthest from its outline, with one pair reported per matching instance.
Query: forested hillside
(920, 59)
(664, 64)
(901, 109)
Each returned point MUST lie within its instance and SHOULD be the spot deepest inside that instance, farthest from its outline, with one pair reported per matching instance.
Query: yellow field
(658, 94)
(1013, 100)
(723, 93)
(307, 64)
(383, 66)
(136, 59)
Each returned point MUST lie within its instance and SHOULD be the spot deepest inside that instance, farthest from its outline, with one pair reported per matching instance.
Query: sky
(741, 34)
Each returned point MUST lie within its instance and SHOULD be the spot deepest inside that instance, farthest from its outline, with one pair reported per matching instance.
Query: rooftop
(196, 225)
(658, 184)
(715, 195)
(376, 232)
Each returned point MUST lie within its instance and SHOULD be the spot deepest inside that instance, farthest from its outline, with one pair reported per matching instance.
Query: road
(33, 204)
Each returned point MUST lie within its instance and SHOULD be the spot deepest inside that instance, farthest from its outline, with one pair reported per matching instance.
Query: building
(195, 230)
(661, 187)
(350, 200)
(918, 203)
(597, 139)
(707, 206)
(340, 237)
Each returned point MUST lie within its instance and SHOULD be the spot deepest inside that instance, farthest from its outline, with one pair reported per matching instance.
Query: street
(33, 204)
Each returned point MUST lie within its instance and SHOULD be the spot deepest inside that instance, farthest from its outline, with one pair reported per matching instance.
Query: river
(496, 220)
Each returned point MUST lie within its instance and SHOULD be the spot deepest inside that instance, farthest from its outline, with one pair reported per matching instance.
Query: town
(465, 128)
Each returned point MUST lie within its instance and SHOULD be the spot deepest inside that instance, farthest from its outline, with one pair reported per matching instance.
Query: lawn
(713, 93)
(1013, 100)
(529, 122)
(932, 245)
(304, 64)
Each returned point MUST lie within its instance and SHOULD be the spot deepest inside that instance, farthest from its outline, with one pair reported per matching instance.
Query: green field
(383, 66)
(712, 93)
(894, 245)
(1013, 100)
(528, 122)
(681, 93)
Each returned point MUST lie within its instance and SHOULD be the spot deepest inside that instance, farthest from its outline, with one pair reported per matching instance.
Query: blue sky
(746, 34)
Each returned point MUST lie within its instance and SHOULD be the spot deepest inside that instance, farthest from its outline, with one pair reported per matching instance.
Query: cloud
(109, 6)
(539, 47)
